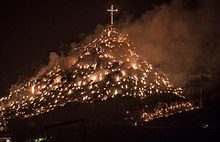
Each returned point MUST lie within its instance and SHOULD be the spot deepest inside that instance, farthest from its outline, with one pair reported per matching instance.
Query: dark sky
(30, 30)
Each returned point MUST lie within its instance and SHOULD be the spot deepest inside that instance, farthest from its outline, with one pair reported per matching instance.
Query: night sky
(31, 30)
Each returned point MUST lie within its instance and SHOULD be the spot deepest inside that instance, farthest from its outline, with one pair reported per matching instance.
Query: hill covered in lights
(103, 69)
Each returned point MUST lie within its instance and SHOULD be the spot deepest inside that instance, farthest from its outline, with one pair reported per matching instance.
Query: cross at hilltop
(112, 10)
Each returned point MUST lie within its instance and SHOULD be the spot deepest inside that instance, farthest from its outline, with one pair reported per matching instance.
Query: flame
(33, 89)
(93, 78)
(134, 66)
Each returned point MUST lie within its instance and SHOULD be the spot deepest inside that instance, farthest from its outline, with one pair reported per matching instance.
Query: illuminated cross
(112, 10)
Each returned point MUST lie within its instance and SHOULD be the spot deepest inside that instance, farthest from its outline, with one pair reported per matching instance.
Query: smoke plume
(179, 37)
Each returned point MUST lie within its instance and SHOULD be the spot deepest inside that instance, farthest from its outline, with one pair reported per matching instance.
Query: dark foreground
(104, 122)
(123, 133)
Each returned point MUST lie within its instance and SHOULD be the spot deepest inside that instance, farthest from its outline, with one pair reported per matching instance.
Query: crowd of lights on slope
(104, 68)
(167, 111)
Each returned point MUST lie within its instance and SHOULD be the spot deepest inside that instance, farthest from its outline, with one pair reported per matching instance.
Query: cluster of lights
(167, 110)
(105, 68)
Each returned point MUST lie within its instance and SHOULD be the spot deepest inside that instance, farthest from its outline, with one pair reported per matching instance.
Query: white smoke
(179, 37)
